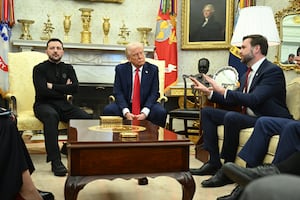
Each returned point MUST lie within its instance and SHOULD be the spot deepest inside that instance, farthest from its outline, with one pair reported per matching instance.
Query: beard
(247, 58)
(55, 59)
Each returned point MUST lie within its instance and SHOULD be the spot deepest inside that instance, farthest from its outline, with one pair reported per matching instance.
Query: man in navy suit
(264, 96)
(256, 147)
(286, 159)
(150, 109)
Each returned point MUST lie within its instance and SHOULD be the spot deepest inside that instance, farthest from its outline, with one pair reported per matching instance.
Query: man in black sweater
(53, 81)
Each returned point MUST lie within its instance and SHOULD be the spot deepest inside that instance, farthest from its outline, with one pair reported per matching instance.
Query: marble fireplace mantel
(93, 63)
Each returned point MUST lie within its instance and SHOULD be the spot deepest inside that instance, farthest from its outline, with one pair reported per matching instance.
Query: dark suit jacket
(267, 93)
(123, 85)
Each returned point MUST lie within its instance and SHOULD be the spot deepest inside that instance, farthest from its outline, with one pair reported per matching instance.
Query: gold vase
(86, 35)
(67, 27)
(25, 29)
(106, 27)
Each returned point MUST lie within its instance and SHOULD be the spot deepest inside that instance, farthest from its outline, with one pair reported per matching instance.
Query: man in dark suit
(256, 147)
(53, 80)
(261, 93)
(150, 109)
(286, 159)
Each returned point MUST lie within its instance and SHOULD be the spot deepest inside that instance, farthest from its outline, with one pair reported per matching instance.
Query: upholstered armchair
(21, 93)
(161, 76)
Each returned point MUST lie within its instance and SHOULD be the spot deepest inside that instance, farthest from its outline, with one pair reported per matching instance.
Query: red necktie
(247, 80)
(136, 94)
(244, 108)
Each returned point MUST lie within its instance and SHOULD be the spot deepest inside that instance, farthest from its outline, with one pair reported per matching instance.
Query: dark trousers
(50, 115)
(233, 122)
(256, 147)
(157, 115)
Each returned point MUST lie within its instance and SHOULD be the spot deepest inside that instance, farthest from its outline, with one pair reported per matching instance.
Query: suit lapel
(144, 78)
(258, 73)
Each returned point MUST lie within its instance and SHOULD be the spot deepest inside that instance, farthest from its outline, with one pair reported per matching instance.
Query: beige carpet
(160, 188)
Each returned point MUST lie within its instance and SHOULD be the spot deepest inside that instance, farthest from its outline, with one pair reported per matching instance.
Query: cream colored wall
(135, 13)
(131, 11)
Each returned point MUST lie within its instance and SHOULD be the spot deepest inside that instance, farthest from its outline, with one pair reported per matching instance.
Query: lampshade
(256, 20)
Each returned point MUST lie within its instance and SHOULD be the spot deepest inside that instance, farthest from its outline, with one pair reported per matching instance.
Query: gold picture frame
(191, 24)
(107, 1)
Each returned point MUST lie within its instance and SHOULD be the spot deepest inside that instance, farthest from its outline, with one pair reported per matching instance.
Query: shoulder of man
(150, 65)
(41, 65)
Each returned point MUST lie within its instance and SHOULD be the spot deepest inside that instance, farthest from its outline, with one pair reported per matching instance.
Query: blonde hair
(131, 46)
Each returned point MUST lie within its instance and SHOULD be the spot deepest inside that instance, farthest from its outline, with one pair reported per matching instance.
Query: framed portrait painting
(206, 24)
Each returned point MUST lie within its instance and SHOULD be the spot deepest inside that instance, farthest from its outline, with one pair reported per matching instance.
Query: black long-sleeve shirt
(57, 74)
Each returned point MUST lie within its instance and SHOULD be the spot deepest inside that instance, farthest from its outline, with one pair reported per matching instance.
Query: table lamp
(256, 20)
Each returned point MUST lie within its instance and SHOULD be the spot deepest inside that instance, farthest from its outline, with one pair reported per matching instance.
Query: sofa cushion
(293, 98)
(244, 136)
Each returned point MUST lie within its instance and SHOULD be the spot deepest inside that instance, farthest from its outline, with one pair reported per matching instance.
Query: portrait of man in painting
(207, 20)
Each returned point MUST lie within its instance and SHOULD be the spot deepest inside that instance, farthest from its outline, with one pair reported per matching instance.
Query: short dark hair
(258, 40)
(55, 40)
(298, 51)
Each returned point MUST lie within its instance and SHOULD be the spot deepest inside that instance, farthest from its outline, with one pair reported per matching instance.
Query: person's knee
(293, 125)
(231, 117)
(108, 110)
(49, 115)
(206, 110)
(262, 121)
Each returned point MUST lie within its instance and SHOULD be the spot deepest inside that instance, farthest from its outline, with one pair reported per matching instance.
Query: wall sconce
(256, 20)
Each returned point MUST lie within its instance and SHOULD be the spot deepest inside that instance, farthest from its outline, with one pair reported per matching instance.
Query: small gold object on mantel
(48, 29)
(106, 27)
(124, 34)
(86, 35)
(144, 31)
(67, 27)
(25, 29)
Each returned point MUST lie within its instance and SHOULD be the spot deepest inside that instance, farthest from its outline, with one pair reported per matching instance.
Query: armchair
(21, 93)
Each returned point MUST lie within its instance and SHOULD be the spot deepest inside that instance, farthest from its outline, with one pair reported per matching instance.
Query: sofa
(293, 103)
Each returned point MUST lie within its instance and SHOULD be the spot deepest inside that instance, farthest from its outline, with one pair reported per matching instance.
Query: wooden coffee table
(98, 152)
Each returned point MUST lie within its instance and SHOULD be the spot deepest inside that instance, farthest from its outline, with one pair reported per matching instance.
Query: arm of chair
(162, 100)
(12, 103)
(70, 99)
(111, 99)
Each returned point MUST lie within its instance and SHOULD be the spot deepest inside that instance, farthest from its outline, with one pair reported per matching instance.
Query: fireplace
(94, 65)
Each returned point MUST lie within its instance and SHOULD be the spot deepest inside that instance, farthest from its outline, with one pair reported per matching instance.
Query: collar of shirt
(256, 65)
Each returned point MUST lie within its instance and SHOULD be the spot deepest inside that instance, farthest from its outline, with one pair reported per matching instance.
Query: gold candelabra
(48, 29)
(144, 31)
(86, 35)
(25, 29)
(124, 34)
